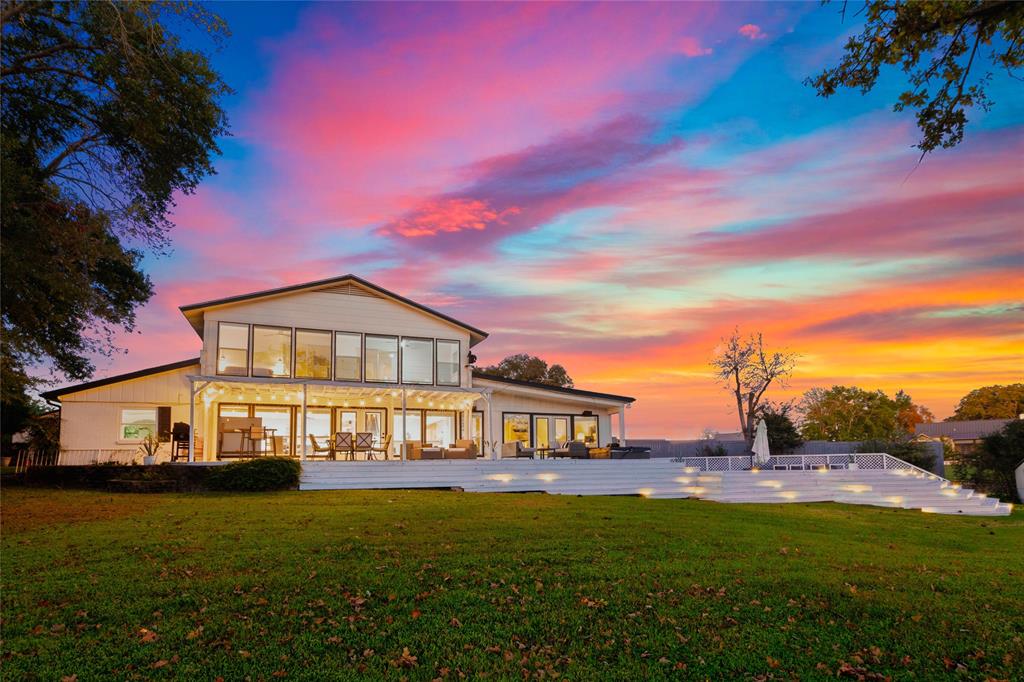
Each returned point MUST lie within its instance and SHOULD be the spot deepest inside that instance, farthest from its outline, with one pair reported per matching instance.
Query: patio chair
(259, 435)
(343, 443)
(573, 449)
(515, 449)
(384, 449)
(364, 443)
(327, 451)
(419, 451)
(463, 449)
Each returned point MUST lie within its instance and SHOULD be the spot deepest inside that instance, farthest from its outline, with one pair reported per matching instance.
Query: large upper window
(348, 356)
(382, 358)
(448, 353)
(417, 361)
(271, 351)
(136, 424)
(232, 349)
(312, 354)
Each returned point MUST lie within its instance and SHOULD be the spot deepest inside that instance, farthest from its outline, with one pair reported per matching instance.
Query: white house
(301, 363)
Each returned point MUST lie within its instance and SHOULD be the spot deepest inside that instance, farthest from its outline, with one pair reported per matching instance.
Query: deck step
(661, 479)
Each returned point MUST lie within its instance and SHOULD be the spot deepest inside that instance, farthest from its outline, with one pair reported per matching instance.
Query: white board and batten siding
(91, 419)
(331, 310)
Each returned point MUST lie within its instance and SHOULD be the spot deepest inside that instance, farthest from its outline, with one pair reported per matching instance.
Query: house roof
(193, 311)
(149, 371)
(972, 429)
(477, 374)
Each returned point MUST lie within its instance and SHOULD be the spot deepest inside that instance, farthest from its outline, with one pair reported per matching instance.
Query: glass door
(541, 432)
(561, 431)
(373, 421)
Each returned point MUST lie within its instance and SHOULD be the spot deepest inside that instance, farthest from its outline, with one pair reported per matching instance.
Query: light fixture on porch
(377, 399)
(362, 402)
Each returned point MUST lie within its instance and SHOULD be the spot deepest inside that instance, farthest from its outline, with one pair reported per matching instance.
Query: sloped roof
(193, 311)
(972, 429)
(138, 374)
(477, 374)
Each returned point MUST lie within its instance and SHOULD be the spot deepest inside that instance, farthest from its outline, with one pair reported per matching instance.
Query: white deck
(658, 478)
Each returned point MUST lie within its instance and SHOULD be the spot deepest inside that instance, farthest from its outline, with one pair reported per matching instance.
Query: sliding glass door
(550, 432)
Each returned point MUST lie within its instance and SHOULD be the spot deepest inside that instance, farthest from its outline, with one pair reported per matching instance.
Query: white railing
(871, 460)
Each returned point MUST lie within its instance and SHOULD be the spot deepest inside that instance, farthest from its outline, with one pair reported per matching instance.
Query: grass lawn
(437, 584)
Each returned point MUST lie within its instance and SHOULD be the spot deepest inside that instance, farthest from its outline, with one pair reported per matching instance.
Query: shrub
(907, 450)
(990, 467)
(705, 450)
(266, 473)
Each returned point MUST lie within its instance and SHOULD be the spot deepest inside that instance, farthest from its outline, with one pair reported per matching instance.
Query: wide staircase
(908, 488)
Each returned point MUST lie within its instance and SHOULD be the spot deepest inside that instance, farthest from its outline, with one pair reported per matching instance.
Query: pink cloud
(752, 31)
(689, 46)
(451, 215)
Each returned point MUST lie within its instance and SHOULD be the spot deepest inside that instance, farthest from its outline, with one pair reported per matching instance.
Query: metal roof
(972, 429)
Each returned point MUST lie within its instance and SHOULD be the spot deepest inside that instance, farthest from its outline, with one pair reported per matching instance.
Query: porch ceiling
(325, 395)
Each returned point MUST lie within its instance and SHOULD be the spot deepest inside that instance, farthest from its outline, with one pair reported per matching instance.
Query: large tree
(105, 117)
(746, 370)
(991, 402)
(941, 46)
(525, 367)
(783, 435)
(849, 413)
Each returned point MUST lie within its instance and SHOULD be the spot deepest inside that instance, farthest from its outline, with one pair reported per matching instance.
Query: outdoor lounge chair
(463, 449)
(383, 450)
(515, 449)
(418, 451)
(574, 449)
(327, 451)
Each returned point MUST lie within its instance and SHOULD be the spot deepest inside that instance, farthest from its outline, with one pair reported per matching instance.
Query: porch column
(302, 447)
(622, 423)
(489, 428)
(191, 420)
(404, 432)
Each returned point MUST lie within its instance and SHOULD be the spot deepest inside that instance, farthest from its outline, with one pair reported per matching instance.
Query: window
(516, 427)
(382, 358)
(584, 429)
(232, 349)
(448, 359)
(417, 361)
(137, 423)
(312, 354)
(476, 430)
(280, 420)
(318, 425)
(348, 356)
(440, 430)
(271, 351)
(413, 426)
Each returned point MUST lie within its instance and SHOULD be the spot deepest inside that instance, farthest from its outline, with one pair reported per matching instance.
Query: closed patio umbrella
(761, 452)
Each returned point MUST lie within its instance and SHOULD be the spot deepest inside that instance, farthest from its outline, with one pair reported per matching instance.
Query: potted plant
(149, 448)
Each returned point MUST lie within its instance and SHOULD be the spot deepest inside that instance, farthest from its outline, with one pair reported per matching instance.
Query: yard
(439, 584)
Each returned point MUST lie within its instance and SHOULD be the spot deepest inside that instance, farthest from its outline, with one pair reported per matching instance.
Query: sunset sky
(611, 187)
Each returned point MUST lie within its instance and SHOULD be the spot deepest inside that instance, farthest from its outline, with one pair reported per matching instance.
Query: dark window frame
(458, 362)
(398, 359)
(433, 361)
(248, 350)
(295, 353)
(252, 350)
(360, 367)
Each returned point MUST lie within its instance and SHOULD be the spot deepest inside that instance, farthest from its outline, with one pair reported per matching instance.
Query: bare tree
(747, 370)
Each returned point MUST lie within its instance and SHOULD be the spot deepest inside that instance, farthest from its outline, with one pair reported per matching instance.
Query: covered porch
(244, 417)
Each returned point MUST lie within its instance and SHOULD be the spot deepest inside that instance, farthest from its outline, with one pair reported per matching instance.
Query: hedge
(267, 473)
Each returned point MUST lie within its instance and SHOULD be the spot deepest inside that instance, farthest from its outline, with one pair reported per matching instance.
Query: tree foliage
(783, 436)
(991, 466)
(991, 402)
(105, 117)
(939, 45)
(525, 367)
(849, 413)
(746, 369)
